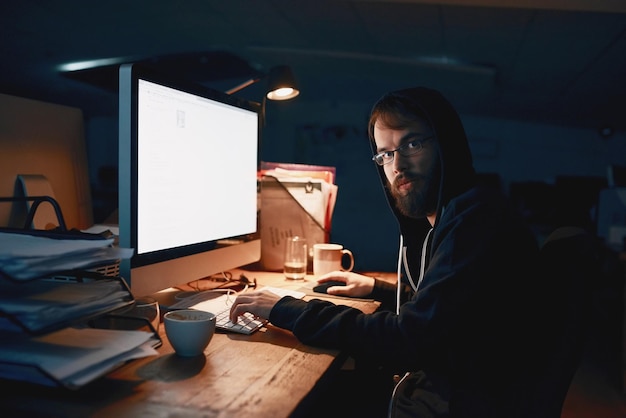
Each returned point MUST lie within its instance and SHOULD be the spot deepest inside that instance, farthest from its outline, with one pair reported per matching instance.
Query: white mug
(329, 257)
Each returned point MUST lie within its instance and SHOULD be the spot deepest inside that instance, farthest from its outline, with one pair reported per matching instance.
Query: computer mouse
(321, 288)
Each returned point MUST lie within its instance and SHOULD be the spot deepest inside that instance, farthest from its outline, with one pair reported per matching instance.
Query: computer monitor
(616, 175)
(188, 162)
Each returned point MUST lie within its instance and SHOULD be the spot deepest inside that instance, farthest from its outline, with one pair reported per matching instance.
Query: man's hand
(357, 285)
(259, 304)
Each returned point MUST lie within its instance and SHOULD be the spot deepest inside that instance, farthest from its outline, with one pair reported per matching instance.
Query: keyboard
(246, 324)
(219, 303)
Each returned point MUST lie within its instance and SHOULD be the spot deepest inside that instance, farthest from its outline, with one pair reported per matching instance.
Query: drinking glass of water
(296, 257)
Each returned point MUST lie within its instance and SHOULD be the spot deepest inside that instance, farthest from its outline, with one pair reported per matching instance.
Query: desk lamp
(281, 84)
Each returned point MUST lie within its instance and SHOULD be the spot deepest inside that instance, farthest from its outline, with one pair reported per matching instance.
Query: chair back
(570, 261)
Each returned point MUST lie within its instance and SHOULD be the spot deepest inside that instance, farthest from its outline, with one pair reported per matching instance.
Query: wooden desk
(267, 374)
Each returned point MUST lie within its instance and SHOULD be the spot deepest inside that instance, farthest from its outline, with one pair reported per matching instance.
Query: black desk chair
(570, 259)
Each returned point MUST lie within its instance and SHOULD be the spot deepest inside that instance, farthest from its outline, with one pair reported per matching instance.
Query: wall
(335, 134)
(329, 133)
(41, 138)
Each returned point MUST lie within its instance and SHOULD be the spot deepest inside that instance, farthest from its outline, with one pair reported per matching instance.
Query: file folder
(293, 206)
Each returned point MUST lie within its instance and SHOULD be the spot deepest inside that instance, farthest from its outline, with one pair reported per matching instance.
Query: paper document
(296, 199)
(100, 228)
(38, 304)
(24, 256)
(71, 356)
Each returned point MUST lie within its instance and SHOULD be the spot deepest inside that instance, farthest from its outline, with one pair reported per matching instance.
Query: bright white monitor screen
(196, 183)
(188, 179)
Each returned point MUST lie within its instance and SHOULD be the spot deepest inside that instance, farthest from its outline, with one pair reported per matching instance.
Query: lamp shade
(281, 84)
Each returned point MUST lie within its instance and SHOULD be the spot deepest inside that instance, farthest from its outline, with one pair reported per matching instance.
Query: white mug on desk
(330, 257)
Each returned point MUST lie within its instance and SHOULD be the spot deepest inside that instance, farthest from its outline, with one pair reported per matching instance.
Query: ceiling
(548, 61)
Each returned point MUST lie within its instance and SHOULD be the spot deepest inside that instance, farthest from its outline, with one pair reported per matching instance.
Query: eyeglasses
(407, 149)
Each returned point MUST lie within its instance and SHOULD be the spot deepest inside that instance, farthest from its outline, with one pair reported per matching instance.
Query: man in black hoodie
(463, 315)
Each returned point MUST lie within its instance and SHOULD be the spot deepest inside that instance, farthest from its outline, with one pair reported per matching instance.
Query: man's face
(414, 179)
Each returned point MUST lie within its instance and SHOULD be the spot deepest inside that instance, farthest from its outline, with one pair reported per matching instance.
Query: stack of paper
(40, 299)
(71, 357)
(24, 256)
(36, 305)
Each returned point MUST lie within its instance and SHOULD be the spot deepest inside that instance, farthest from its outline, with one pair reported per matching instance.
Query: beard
(420, 199)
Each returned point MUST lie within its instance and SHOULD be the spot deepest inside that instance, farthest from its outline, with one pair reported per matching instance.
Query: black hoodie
(469, 325)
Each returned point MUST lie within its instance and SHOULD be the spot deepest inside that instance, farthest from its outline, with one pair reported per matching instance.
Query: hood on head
(457, 169)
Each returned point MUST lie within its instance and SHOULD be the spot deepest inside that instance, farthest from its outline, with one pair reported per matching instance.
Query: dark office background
(540, 87)
(553, 173)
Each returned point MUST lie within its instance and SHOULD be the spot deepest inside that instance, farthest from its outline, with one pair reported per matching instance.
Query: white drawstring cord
(401, 257)
(399, 275)
(423, 265)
